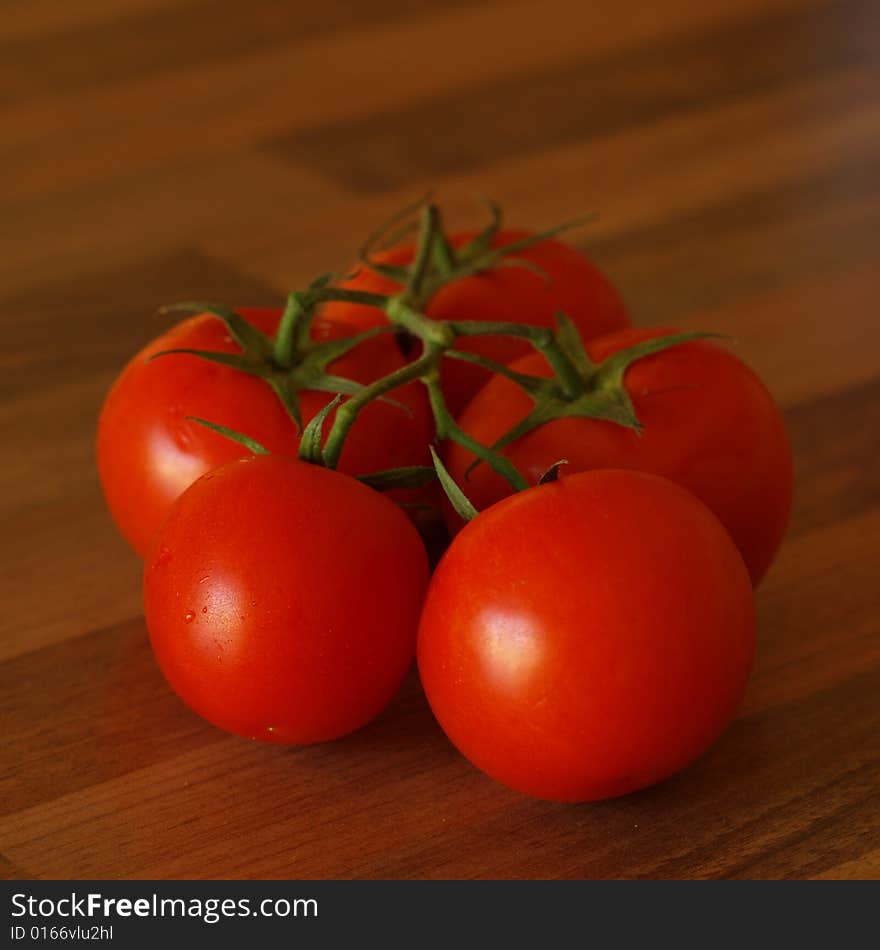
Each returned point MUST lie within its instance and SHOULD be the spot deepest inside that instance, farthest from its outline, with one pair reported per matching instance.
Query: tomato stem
(448, 428)
(286, 335)
(348, 411)
(293, 361)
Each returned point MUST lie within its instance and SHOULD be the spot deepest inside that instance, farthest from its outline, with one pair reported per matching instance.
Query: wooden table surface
(157, 150)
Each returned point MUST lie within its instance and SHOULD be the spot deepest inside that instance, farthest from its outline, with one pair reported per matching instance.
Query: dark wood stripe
(113, 715)
(154, 42)
(829, 745)
(836, 444)
(73, 338)
(10, 871)
(117, 715)
(850, 832)
(105, 772)
(587, 100)
(734, 248)
(100, 318)
(692, 826)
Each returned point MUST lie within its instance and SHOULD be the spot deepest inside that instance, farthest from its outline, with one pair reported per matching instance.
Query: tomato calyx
(244, 440)
(289, 362)
(292, 360)
(438, 262)
(599, 391)
(408, 476)
(404, 311)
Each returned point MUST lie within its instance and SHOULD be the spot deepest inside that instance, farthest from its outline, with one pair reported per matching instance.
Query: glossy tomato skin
(510, 294)
(589, 637)
(149, 452)
(283, 599)
(709, 424)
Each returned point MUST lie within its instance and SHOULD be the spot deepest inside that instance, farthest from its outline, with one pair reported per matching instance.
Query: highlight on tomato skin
(565, 280)
(149, 451)
(710, 424)
(589, 637)
(282, 599)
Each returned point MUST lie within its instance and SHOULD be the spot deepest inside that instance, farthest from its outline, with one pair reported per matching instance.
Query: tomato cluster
(150, 448)
(589, 632)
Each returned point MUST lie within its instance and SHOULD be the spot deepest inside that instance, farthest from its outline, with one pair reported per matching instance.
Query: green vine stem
(448, 428)
(292, 360)
(438, 340)
(348, 411)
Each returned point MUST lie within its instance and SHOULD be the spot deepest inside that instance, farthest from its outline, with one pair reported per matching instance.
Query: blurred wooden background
(153, 150)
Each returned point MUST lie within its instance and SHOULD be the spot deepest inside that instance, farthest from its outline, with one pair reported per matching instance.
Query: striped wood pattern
(154, 150)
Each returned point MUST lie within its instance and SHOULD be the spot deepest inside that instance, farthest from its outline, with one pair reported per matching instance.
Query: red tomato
(149, 452)
(710, 425)
(512, 294)
(589, 637)
(283, 599)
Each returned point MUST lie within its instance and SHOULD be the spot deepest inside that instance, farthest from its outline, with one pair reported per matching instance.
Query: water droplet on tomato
(189, 616)
(204, 610)
(183, 439)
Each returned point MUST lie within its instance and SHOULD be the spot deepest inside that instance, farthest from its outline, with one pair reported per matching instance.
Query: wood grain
(152, 151)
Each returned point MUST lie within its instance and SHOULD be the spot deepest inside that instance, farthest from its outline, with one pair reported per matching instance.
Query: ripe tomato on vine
(589, 631)
(527, 286)
(150, 448)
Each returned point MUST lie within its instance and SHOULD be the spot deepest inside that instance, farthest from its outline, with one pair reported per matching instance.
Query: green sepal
(534, 385)
(346, 295)
(497, 328)
(323, 354)
(323, 383)
(239, 437)
(442, 253)
(248, 337)
(399, 273)
(402, 406)
(544, 411)
(606, 399)
(611, 371)
(524, 264)
(475, 263)
(286, 391)
(429, 228)
(332, 384)
(383, 235)
(463, 506)
(389, 233)
(541, 414)
(610, 405)
(572, 345)
(310, 445)
(296, 310)
(613, 405)
(234, 360)
(448, 428)
(482, 243)
(323, 280)
(410, 476)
